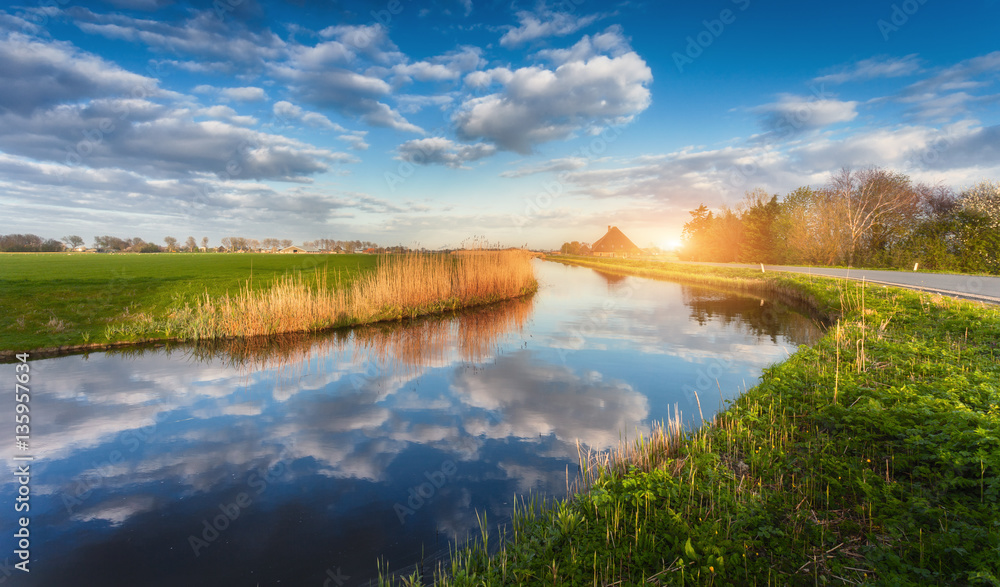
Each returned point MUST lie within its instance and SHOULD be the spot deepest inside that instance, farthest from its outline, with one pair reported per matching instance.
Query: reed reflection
(398, 348)
(612, 279)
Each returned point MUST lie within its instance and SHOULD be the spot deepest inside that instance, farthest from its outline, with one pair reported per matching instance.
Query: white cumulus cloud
(537, 104)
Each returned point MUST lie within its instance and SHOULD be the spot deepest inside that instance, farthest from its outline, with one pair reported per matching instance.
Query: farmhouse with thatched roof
(615, 244)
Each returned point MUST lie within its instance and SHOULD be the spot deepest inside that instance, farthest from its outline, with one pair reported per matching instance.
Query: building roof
(615, 241)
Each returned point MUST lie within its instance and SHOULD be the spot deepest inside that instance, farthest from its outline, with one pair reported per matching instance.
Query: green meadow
(61, 299)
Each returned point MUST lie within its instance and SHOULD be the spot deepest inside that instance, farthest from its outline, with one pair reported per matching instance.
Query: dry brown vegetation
(472, 336)
(401, 286)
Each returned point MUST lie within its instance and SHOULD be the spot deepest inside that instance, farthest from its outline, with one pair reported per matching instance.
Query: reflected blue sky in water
(327, 440)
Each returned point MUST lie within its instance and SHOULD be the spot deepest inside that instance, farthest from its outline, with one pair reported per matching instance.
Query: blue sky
(431, 123)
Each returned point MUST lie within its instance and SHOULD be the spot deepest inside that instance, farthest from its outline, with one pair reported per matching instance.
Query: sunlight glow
(671, 244)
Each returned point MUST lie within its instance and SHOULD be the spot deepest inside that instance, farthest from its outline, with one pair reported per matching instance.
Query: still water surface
(306, 460)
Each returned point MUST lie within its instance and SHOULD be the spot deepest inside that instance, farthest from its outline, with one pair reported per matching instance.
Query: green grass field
(59, 299)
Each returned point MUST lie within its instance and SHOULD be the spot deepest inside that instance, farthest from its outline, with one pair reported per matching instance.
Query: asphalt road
(971, 287)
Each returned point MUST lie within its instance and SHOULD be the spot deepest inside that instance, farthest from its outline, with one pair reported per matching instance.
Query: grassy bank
(401, 286)
(871, 458)
(65, 300)
(61, 299)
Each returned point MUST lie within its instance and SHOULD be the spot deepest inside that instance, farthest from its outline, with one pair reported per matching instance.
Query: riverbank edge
(402, 315)
(749, 281)
(814, 435)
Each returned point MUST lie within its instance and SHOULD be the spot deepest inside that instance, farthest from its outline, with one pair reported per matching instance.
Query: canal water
(312, 460)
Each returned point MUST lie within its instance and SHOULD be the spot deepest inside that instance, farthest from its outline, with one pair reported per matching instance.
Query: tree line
(870, 217)
(575, 248)
(338, 246)
(31, 243)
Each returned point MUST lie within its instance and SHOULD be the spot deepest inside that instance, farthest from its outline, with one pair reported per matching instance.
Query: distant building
(615, 244)
(292, 249)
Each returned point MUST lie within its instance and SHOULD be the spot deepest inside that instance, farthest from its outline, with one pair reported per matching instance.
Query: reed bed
(401, 286)
(409, 285)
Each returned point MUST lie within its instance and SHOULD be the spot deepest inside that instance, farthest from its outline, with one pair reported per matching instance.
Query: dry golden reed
(398, 350)
(401, 286)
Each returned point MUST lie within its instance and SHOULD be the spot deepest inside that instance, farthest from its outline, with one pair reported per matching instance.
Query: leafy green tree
(573, 248)
(725, 236)
(978, 242)
(932, 244)
(695, 235)
(760, 238)
(870, 217)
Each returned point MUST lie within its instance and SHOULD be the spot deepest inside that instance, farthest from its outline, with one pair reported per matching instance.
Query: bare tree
(236, 243)
(285, 243)
(938, 201)
(135, 245)
(191, 245)
(874, 203)
(171, 244)
(73, 241)
(204, 243)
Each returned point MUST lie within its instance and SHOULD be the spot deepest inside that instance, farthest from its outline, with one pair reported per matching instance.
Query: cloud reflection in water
(136, 448)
